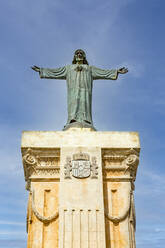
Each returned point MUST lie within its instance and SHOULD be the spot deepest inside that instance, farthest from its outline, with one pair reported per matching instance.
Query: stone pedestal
(81, 186)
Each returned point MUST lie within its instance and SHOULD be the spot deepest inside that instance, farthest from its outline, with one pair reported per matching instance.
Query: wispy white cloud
(150, 236)
(151, 178)
(13, 243)
(159, 229)
(13, 223)
(12, 233)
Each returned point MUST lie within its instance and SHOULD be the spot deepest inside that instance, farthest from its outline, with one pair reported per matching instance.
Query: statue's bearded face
(79, 56)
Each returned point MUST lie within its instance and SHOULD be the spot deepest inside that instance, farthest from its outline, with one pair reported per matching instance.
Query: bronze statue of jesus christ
(79, 77)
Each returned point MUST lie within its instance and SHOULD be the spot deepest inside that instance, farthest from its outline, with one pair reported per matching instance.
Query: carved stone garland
(39, 216)
(68, 168)
(131, 162)
(117, 219)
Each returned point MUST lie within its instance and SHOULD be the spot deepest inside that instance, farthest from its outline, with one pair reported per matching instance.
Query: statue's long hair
(84, 56)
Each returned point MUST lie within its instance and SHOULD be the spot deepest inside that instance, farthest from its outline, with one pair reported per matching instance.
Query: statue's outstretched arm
(110, 74)
(35, 68)
(54, 73)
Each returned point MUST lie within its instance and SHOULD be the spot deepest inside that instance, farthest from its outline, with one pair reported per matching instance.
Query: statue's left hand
(36, 68)
(122, 70)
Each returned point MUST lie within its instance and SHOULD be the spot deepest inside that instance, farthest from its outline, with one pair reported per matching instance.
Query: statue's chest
(80, 71)
(79, 77)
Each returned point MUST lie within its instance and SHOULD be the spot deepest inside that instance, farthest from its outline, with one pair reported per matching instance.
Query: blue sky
(113, 33)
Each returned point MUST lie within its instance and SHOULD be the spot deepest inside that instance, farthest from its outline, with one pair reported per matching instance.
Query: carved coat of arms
(81, 167)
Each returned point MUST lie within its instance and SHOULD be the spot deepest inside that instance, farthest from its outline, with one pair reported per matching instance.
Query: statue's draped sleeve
(98, 73)
(58, 73)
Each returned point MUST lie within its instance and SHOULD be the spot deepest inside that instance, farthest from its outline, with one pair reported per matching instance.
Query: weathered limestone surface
(80, 137)
(81, 186)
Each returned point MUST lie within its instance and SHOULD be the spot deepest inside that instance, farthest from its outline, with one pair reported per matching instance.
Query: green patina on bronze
(79, 77)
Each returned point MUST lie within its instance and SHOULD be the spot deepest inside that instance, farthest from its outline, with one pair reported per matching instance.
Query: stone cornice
(120, 164)
(40, 163)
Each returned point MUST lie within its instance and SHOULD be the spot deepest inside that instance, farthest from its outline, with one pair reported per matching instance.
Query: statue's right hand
(36, 68)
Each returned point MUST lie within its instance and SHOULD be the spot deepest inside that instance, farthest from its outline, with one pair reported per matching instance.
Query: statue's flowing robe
(79, 88)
